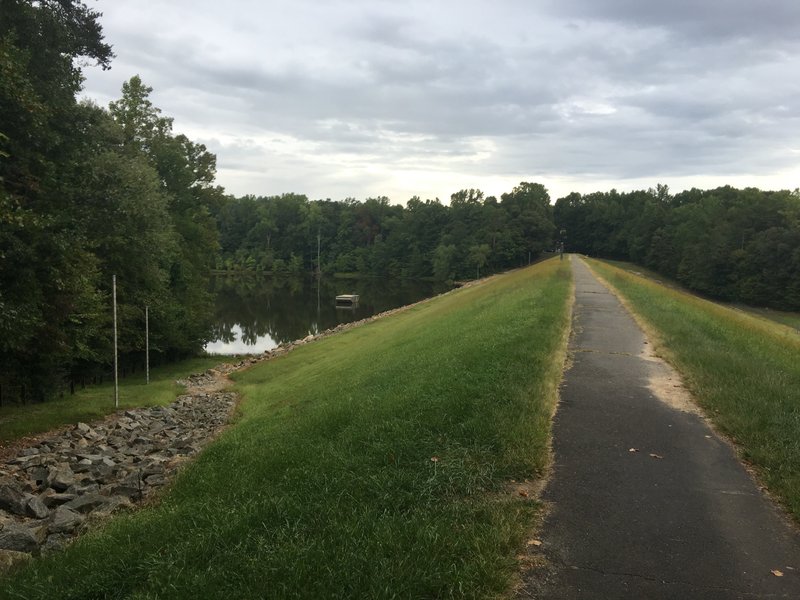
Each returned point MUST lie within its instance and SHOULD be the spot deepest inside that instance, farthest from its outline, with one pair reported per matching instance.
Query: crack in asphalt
(611, 352)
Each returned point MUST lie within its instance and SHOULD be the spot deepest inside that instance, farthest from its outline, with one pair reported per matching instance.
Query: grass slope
(97, 401)
(792, 319)
(743, 370)
(326, 487)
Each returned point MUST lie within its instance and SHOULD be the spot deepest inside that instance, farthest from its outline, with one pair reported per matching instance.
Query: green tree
(49, 303)
(478, 256)
(444, 262)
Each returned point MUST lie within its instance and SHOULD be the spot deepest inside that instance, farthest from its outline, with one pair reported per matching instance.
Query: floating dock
(347, 300)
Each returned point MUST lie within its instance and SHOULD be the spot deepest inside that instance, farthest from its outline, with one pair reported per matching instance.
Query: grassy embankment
(327, 485)
(791, 319)
(743, 370)
(97, 401)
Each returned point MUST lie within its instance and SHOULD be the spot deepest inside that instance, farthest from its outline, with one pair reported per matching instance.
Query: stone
(127, 491)
(153, 469)
(83, 428)
(86, 503)
(11, 558)
(92, 458)
(60, 478)
(38, 475)
(103, 474)
(89, 487)
(18, 538)
(56, 499)
(155, 480)
(64, 520)
(12, 498)
(114, 504)
(37, 509)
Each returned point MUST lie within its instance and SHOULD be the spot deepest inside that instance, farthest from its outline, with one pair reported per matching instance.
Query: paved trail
(623, 524)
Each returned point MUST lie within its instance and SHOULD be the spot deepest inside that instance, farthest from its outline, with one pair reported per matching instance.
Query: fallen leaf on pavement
(633, 450)
(658, 456)
(777, 573)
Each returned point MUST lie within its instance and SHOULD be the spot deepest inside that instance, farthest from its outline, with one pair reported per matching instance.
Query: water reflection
(258, 313)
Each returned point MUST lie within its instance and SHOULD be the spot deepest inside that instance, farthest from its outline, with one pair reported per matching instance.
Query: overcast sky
(362, 98)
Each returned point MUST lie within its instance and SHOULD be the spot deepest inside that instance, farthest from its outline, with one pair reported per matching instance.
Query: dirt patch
(667, 384)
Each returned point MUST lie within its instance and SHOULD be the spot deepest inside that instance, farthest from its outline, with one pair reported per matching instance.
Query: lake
(254, 313)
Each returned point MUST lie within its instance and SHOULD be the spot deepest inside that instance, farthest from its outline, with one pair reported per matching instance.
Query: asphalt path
(645, 501)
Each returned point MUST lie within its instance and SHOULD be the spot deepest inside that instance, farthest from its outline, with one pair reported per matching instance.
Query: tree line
(422, 239)
(740, 245)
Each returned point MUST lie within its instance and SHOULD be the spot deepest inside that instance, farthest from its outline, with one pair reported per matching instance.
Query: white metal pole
(116, 372)
(147, 343)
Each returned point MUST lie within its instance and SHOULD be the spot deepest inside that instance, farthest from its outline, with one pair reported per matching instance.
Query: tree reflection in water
(256, 313)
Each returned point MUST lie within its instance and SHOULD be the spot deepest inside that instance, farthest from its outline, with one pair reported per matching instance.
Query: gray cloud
(305, 95)
(768, 20)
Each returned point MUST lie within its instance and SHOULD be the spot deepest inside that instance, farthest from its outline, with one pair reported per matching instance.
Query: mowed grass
(97, 401)
(743, 370)
(792, 319)
(372, 464)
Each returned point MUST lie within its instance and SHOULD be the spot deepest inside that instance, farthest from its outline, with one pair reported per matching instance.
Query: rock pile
(53, 490)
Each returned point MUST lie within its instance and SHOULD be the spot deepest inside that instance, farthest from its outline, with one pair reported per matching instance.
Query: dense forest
(87, 192)
(728, 244)
(472, 234)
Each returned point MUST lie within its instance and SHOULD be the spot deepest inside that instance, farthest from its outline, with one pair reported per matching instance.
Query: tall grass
(371, 464)
(743, 370)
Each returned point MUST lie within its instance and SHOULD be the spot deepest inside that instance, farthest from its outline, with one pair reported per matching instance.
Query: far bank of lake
(256, 313)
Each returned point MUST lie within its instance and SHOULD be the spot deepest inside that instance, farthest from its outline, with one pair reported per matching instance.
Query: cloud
(712, 20)
(338, 99)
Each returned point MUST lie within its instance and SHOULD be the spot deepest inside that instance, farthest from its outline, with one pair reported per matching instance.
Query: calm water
(256, 313)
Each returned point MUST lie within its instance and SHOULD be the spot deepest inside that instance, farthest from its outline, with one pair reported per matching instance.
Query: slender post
(116, 365)
(147, 343)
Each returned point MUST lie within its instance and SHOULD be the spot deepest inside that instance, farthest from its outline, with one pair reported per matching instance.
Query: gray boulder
(36, 508)
(64, 520)
(12, 498)
(18, 538)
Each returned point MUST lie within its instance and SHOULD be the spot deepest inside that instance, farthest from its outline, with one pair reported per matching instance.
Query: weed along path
(645, 500)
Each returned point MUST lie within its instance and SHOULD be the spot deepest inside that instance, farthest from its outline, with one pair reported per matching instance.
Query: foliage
(334, 491)
(423, 239)
(730, 244)
(86, 193)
